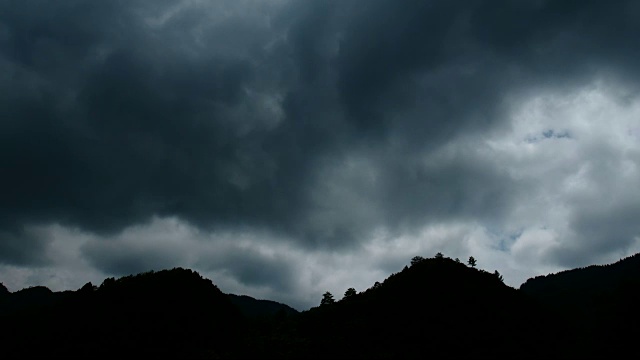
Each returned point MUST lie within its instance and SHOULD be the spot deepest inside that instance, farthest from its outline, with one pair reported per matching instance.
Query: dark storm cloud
(18, 247)
(457, 188)
(227, 114)
(120, 259)
(384, 46)
(561, 38)
(137, 128)
(251, 268)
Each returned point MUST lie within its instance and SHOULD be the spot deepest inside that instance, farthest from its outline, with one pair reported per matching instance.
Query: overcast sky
(283, 148)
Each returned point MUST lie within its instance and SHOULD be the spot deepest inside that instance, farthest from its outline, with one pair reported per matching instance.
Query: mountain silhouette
(4, 292)
(258, 308)
(29, 299)
(599, 301)
(437, 307)
(165, 313)
(590, 286)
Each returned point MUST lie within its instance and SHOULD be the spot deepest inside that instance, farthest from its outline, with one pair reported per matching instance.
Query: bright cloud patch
(580, 169)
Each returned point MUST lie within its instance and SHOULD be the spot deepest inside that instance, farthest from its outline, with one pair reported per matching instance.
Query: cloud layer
(287, 148)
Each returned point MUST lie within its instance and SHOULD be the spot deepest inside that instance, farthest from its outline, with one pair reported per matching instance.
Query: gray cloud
(251, 268)
(318, 123)
(19, 247)
(601, 232)
(120, 259)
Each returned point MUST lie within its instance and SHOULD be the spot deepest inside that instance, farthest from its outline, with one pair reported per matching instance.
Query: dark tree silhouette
(349, 293)
(457, 260)
(439, 256)
(472, 261)
(327, 298)
(416, 259)
(3, 290)
(497, 274)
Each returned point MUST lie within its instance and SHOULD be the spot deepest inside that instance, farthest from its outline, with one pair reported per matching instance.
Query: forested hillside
(435, 307)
